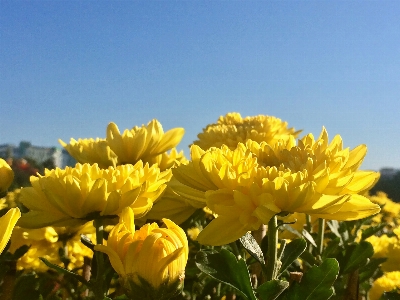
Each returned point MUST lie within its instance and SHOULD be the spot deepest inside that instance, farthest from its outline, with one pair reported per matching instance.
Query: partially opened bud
(150, 261)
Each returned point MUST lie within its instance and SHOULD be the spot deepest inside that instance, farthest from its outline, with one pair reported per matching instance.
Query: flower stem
(98, 287)
(272, 256)
(321, 232)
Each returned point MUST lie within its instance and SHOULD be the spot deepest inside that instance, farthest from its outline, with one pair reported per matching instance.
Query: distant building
(58, 156)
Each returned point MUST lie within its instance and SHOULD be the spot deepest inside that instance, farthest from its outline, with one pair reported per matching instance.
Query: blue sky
(68, 68)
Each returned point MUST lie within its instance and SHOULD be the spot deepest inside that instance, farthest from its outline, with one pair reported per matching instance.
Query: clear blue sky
(68, 68)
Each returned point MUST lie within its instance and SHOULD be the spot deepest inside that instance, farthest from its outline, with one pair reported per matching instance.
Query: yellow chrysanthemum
(143, 143)
(6, 176)
(256, 181)
(390, 212)
(389, 247)
(168, 160)
(73, 196)
(11, 199)
(157, 255)
(332, 168)
(232, 129)
(7, 223)
(91, 151)
(388, 282)
(46, 242)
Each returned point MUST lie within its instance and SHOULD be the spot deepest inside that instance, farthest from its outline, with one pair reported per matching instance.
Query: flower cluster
(248, 185)
(74, 196)
(46, 242)
(243, 173)
(232, 129)
(148, 143)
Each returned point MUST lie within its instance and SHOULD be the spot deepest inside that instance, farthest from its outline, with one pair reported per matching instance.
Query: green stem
(272, 256)
(308, 223)
(321, 232)
(98, 287)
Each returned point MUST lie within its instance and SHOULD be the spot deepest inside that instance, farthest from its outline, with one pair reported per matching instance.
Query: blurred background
(68, 68)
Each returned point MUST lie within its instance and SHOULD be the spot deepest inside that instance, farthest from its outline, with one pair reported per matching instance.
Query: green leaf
(251, 245)
(308, 258)
(357, 256)
(371, 268)
(331, 248)
(26, 287)
(309, 237)
(87, 242)
(272, 289)
(223, 266)
(366, 233)
(122, 297)
(20, 252)
(65, 271)
(334, 227)
(292, 251)
(316, 282)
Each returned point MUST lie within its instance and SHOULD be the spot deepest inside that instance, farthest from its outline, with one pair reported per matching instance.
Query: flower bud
(150, 261)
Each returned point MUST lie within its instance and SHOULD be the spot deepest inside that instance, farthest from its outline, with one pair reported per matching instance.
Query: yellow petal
(170, 139)
(7, 223)
(114, 258)
(221, 231)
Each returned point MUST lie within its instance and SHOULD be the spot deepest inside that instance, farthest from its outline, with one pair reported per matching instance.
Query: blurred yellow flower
(232, 129)
(6, 176)
(91, 151)
(388, 282)
(156, 255)
(248, 185)
(193, 233)
(73, 196)
(389, 247)
(11, 199)
(46, 242)
(143, 143)
(7, 223)
(390, 212)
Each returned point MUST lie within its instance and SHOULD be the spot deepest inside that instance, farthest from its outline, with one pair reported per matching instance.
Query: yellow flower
(332, 168)
(389, 247)
(232, 129)
(11, 199)
(390, 210)
(193, 233)
(250, 184)
(156, 255)
(388, 282)
(7, 223)
(46, 242)
(168, 160)
(6, 176)
(91, 151)
(143, 143)
(73, 196)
